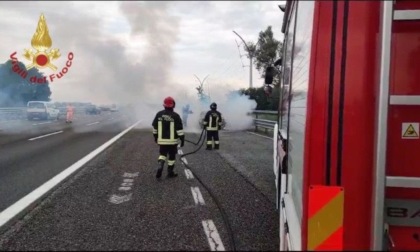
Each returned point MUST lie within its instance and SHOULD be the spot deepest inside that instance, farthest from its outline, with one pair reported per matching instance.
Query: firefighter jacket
(167, 128)
(213, 120)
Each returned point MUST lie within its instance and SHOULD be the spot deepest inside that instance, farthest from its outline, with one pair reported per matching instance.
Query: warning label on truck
(410, 131)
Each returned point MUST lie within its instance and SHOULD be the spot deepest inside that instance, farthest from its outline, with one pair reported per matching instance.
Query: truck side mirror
(269, 74)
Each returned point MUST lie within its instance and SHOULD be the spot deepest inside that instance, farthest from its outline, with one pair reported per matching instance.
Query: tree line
(16, 91)
(265, 52)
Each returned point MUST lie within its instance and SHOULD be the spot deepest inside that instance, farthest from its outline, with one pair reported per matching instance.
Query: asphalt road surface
(32, 152)
(115, 202)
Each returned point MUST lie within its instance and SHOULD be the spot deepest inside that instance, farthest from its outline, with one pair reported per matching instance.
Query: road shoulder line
(19, 208)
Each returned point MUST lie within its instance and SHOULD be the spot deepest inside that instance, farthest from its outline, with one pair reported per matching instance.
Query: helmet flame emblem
(41, 42)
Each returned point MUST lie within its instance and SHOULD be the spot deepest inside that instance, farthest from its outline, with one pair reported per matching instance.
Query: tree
(267, 51)
(16, 91)
(201, 95)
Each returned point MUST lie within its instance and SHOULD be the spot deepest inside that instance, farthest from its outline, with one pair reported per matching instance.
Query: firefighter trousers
(213, 135)
(170, 151)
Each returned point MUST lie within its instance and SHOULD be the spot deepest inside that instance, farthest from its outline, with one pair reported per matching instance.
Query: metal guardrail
(264, 123)
(19, 113)
(12, 113)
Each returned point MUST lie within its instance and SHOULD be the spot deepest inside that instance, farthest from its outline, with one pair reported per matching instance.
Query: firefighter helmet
(169, 102)
(213, 106)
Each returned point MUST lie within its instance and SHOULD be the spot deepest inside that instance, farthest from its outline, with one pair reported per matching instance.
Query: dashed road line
(92, 123)
(198, 198)
(41, 123)
(188, 174)
(54, 133)
(213, 236)
(14, 210)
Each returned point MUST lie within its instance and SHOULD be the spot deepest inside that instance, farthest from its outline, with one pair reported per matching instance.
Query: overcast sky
(125, 51)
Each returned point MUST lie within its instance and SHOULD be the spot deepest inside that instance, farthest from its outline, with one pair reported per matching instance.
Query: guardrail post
(256, 125)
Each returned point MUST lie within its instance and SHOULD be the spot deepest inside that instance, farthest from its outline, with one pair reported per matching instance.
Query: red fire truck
(347, 147)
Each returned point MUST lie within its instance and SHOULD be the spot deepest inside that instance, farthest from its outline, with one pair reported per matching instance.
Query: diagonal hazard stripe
(334, 242)
(321, 196)
(327, 221)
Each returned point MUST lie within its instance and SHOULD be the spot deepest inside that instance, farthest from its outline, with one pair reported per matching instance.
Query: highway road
(32, 152)
(223, 200)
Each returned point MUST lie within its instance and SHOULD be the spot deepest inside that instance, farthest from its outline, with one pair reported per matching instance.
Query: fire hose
(223, 213)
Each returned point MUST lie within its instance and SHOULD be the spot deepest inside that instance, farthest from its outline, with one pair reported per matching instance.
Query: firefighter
(185, 112)
(70, 112)
(213, 123)
(167, 130)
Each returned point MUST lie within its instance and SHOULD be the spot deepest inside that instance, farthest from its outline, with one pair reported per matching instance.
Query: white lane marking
(124, 188)
(13, 210)
(213, 236)
(128, 180)
(130, 175)
(120, 199)
(92, 123)
(188, 174)
(184, 160)
(54, 133)
(260, 135)
(198, 198)
(41, 123)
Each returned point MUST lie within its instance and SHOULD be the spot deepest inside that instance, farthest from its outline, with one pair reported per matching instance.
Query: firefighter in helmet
(213, 123)
(167, 130)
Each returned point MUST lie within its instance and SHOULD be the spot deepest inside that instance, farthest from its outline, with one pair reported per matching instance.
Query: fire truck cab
(347, 149)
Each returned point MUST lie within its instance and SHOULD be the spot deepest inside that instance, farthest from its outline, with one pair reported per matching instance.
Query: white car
(42, 110)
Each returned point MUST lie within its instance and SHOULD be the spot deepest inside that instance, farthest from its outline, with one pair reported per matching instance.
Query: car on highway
(92, 110)
(114, 108)
(42, 110)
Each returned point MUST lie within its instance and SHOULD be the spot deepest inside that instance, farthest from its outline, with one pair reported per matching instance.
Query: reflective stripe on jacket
(213, 120)
(167, 125)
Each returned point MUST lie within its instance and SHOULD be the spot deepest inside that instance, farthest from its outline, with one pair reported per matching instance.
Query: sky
(130, 51)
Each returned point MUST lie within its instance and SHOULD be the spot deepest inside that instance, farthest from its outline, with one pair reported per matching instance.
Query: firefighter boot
(160, 168)
(171, 173)
(216, 146)
(209, 147)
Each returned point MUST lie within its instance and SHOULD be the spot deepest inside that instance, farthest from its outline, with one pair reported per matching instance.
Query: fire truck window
(298, 99)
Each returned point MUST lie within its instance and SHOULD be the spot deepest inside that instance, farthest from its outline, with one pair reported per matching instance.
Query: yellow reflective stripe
(172, 139)
(155, 131)
(180, 132)
(160, 130)
(211, 120)
(171, 162)
(172, 129)
(167, 143)
(161, 157)
(168, 140)
(209, 142)
(216, 142)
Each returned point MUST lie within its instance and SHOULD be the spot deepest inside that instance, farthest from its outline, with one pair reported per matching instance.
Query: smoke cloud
(107, 68)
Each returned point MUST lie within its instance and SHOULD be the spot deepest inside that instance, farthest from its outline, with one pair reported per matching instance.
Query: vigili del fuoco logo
(41, 57)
